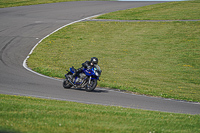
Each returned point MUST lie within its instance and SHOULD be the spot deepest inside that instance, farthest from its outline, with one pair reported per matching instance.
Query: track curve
(22, 27)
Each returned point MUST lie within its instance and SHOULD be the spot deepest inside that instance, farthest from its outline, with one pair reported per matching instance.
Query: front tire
(90, 87)
(66, 84)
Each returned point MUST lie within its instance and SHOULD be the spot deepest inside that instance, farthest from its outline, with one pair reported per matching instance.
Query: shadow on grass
(8, 131)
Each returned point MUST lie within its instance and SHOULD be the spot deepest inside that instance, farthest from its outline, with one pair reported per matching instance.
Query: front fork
(67, 77)
(90, 80)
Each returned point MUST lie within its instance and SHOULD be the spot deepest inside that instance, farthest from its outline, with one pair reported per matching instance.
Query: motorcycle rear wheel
(66, 84)
(90, 87)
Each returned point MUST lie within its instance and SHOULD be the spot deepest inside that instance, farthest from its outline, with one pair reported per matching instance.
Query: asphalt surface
(22, 27)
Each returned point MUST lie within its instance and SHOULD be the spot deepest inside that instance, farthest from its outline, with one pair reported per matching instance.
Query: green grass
(165, 11)
(152, 58)
(26, 114)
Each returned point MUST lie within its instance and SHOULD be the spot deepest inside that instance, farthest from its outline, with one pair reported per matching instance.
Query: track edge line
(25, 61)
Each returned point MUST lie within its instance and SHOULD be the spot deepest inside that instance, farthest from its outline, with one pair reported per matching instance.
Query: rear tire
(66, 84)
(90, 87)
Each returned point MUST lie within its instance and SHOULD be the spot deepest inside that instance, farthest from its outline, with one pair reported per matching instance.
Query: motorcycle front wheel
(66, 84)
(90, 87)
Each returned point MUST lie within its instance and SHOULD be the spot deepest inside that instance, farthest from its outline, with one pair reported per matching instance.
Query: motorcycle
(86, 79)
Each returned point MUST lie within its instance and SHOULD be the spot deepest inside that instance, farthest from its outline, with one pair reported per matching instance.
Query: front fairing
(89, 72)
(95, 72)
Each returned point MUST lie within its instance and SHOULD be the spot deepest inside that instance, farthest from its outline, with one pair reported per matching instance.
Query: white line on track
(24, 62)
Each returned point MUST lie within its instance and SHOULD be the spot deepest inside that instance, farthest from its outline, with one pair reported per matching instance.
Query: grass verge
(184, 10)
(152, 58)
(26, 114)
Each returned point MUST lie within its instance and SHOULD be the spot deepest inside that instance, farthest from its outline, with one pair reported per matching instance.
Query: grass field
(165, 11)
(31, 115)
(152, 58)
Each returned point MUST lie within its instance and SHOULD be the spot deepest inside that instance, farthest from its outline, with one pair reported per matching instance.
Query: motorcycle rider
(87, 65)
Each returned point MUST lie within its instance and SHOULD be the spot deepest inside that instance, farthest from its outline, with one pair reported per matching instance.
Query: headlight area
(97, 73)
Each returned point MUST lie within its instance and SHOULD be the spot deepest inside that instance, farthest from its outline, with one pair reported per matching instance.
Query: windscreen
(97, 68)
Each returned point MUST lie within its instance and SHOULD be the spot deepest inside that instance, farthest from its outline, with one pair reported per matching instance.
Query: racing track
(22, 27)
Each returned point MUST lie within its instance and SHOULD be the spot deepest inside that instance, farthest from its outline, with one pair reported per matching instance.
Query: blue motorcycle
(86, 79)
